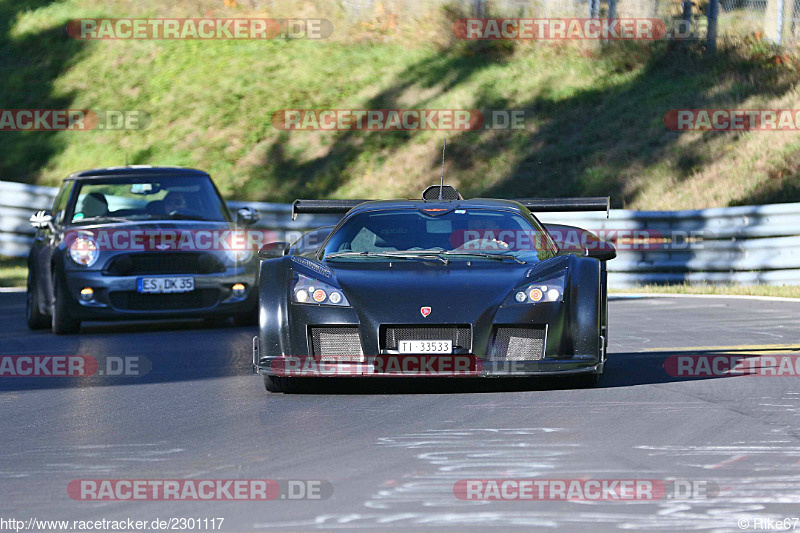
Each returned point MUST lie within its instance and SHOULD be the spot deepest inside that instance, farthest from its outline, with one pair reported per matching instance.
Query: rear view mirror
(247, 216)
(41, 219)
(145, 188)
(273, 250)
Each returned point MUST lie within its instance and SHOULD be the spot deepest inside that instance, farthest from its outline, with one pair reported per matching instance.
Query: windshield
(161, 198)
(461, 233)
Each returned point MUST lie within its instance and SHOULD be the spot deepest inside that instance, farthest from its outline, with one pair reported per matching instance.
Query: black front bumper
(557, 358)
(116, 297)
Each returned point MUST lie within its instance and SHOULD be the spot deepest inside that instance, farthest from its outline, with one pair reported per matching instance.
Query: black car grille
(336, 343)
(165, 263)
(461, 335)
(518, 344)
(135, 301)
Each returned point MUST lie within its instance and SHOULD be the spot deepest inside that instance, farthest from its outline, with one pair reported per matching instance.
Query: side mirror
(605, 252)
(247, 216)
(273, 250)
(573, 240)
(594, 246)
(41, 219)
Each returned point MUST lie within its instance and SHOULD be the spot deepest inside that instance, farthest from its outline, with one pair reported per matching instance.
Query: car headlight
(83, 250)
(548, 290)
(307, 290)
(238, 256)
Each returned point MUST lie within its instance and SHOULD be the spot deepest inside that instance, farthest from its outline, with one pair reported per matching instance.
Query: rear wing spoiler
(540, 205)
(551, 205)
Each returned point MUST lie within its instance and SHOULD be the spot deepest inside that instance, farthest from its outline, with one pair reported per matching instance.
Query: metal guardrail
(746, 245)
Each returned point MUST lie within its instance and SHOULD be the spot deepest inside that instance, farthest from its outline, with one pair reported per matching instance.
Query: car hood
(456, 292)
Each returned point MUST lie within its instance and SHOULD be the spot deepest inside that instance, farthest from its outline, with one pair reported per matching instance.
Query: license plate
(425, 346)
(165, 285)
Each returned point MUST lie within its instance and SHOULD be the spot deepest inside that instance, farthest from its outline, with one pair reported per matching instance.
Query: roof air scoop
(448, 193)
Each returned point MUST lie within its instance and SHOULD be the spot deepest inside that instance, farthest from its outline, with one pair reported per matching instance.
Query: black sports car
(139, 242)
(437, 287)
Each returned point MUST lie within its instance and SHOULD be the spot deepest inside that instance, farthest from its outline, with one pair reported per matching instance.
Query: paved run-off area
(392, 450)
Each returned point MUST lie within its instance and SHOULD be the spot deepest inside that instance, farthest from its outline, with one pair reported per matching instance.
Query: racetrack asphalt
(393, 450)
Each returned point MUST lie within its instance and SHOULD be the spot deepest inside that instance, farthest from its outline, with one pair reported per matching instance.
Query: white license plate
(165, 285)
(425, 346)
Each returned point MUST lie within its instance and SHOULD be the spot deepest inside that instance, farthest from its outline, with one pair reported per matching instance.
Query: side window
(60, 203)
(364, 241)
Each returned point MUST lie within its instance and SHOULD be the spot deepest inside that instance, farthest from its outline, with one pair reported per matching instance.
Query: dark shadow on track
(622, 370)
(188, 350)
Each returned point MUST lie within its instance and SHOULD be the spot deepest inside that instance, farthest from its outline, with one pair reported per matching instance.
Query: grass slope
(594, 115)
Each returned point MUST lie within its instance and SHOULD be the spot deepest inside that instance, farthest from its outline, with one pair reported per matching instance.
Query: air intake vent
(165, 263)
(518, 344)
(337, 343)
(448, 193)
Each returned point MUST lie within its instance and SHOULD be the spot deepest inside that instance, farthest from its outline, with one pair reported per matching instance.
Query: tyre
(585, 297)
(278, 384)
(62, 322)
(35, 318)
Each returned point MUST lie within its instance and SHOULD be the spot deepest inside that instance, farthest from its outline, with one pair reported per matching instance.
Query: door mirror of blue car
(273, 250)
(41, 219)
(247, 216)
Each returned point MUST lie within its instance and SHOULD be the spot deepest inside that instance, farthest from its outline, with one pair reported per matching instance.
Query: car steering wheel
(185, 212)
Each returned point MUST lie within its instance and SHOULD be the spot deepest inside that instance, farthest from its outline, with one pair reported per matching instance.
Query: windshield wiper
(398, 255)
(496, 257)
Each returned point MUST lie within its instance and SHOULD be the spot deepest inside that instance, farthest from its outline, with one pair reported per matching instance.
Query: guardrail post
(713, 13)
(594, 9)
(687, 10)
(778, 20)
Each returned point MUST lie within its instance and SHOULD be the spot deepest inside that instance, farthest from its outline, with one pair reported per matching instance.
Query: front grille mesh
(336, 343)
(460, 335)
(518, 344)
(165, 263)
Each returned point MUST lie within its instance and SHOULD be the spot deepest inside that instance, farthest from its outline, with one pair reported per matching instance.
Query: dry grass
(13, 271)
(782, 291)
(593, 114)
